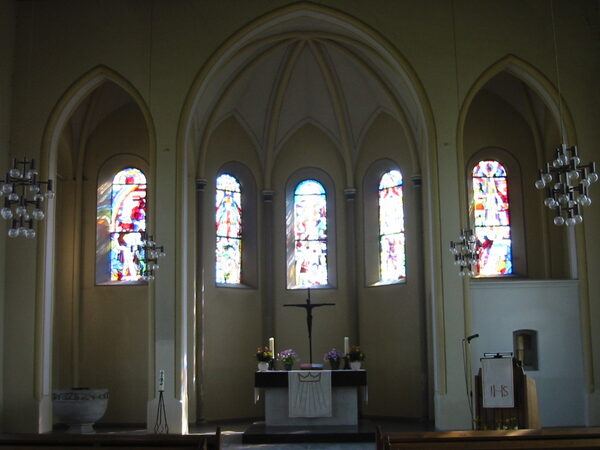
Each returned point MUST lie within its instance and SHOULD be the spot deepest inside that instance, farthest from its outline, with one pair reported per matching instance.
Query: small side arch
(58, 118)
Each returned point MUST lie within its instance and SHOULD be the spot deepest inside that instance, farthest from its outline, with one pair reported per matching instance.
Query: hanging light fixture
(466, 249)
(466, 252)
(150, 252)
(566, 179)
(24, 196)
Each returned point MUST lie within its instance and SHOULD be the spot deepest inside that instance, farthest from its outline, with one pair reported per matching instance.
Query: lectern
(523, 414)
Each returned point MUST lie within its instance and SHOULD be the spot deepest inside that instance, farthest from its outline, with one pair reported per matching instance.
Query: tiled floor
(232, 436)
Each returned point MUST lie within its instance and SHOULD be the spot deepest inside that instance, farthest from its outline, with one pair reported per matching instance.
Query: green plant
(356, 354)
(264, 355)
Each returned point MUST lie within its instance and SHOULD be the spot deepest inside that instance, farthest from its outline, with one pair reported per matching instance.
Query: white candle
(346, 345)
(272, 346)
(161, 381)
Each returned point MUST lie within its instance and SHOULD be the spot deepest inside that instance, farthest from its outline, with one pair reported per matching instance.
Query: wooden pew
(114, 441)
(551, 438)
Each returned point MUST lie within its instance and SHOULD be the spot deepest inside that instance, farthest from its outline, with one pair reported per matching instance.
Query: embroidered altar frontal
(334, 402)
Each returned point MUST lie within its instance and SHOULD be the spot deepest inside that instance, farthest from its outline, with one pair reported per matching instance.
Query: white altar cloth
(309, 393)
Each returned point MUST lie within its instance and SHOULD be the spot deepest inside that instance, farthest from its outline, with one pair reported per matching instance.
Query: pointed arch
(401, 81)
(542, 85)
(203, 89)
(62, 111)
(534, 79)
(531, 76)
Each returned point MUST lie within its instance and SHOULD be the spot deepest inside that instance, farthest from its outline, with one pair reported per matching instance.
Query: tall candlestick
(272, 346)
(346, 345)
(161, 381)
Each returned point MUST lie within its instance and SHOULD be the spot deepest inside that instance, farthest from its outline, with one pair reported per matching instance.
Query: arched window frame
(325, 180)
(106, 175)
(372, 234)
(249, 264)
(517, 228)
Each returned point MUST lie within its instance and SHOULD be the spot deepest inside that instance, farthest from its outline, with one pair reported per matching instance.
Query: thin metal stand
(161, 426)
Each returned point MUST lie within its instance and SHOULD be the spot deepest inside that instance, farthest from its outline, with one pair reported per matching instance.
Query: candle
(161, 381)
(346, 345)
(272, 346)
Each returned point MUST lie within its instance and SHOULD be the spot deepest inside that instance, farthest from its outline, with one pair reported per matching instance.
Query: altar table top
(279, 378)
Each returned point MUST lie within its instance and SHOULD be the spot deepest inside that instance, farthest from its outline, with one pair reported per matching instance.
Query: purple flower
(333, 355)
(287, 356)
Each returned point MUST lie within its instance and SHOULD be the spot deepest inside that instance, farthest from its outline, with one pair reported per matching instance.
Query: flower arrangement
(287, 357)
(264, 355)
(356, 354)
(333, 356)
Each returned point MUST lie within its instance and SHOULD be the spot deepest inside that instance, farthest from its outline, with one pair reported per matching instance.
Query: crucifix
(309, 307)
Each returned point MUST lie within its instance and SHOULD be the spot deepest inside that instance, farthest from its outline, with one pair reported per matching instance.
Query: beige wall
(82, 35)
(101, 332)
(392, 318)
(233, 316)
(7, 25)
(492, 123)
(309, 148)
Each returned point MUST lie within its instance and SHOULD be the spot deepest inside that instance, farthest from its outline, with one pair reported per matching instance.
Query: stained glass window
(127, 224)
(310, 234)
(229, 230)
(392, 264)
(492, 218)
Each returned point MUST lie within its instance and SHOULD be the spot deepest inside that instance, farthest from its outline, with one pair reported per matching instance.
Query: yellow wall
(105, 326)
(70, 38)
(7, 11)
(392, 318)
(233, 316)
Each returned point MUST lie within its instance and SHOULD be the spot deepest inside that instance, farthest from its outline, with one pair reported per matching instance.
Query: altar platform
(342, 425)
(260, 433)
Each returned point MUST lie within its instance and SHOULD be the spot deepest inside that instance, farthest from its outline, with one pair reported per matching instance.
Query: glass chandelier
(150, 252)
(567, 181)
(466, 253)
(24, 196)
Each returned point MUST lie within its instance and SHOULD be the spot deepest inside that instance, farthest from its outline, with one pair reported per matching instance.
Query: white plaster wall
(551, 307)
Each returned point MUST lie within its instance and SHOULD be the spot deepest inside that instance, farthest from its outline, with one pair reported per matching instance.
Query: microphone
(473, 336)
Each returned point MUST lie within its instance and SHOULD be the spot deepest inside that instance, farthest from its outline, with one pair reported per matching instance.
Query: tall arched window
(310, 234)
(228, 206)
(127, 224)
(392, 264)
(492, 218)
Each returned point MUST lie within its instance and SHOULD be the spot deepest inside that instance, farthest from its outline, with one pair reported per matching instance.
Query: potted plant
(287, 357)
(334, 357)
(356, 357)
(264, 357)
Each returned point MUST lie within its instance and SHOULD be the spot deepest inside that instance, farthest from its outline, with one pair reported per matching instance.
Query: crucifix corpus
(309, 307)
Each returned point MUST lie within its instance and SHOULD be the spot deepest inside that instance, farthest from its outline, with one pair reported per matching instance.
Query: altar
(345, 387)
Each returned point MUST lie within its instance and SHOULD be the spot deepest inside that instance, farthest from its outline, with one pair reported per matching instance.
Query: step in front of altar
(260, 433)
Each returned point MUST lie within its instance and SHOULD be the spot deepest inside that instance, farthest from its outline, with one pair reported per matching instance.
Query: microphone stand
(466, 353)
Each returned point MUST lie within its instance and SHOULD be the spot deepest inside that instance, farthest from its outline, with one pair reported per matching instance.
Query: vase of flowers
(356, 357)
(264, 357)
(287, 357)
(334, 357)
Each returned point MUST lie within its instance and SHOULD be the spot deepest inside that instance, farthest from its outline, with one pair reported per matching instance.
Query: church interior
(457, 105)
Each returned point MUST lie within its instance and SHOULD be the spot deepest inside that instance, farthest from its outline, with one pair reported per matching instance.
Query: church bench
(113, 441)
(552, 438)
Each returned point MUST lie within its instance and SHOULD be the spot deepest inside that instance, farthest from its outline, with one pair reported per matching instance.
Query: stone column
(200, 338)
(425, 312)
(169, 328)
(351, 266)
(268, 298)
